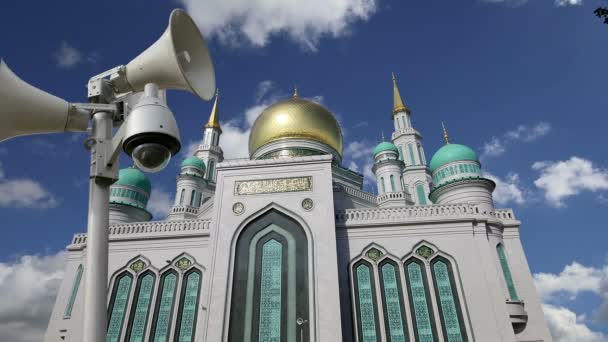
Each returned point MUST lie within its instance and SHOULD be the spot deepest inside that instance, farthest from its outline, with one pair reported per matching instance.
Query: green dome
(385, 146)
(135, 178)
(451, 153)
(194, 162)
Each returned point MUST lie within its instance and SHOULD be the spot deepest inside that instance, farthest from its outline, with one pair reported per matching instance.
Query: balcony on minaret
(405, 131)
(395, 199)
(517, 314)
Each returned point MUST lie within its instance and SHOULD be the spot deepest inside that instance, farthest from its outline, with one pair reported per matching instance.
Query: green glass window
(118, 306)
(449, 308)
(210, 174)
(164, 307)
(366, 304)
(419, 301)
(186, 319)
(141, 308)
(461, 168)
(382, 183)
(392, 178)
(270, 292)
(411, 148)
(401, 152)
(394, 317)
(192, 198)
(75, 285)
(506, 271)
(421, 194)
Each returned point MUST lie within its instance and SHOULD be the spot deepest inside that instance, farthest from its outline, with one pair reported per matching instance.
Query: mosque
(286, 246)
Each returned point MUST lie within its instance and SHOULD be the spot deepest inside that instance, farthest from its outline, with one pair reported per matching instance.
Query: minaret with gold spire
(416, 175)
(209, 150)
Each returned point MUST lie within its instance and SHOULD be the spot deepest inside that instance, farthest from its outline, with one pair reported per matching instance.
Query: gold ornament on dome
(296, 118)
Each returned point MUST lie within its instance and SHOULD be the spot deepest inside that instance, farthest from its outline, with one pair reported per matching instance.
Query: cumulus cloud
(566, 178)
(360, 158)
(522, 133)
(28, 287)
(515, 3)
(568, 2)
(24, 193)
(67, 56)
(255, 22)
(508, 189)
(160, 203)
(566, 326)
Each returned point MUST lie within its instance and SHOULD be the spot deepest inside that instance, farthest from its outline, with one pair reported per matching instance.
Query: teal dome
(385, 146)
(135, 178)
(194, 162)
(451, 153)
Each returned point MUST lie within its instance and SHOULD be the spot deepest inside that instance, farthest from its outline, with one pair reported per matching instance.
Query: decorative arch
(448, 303)
(270, 279)
(423, 320)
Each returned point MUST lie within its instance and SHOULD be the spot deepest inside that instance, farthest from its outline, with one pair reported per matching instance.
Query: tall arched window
(411, 148)
(404, 121)
(75, 285)
(392, 178)
(420, 154)
(449, 306)
(192, 198)
(392, 302)
(211, 171)
(506, 271)
(198, 200)
(118, 306)
(163, 311)
(365, 301)
(382, 184)
(401, 157)
(420, 302)
(270, 282)
(421, 194)
(187, 313)
(181, 197)
(140, 309)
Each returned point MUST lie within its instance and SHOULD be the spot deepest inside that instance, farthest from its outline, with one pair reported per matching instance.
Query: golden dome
(295, 118)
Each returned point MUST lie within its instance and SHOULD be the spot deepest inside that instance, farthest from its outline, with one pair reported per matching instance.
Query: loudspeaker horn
(179, 59)
(25, 109)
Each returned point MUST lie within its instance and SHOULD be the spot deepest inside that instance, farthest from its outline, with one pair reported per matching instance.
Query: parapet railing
(151, 229)
(184, 209)
(408, 130)
(366, 196)
(387, 196)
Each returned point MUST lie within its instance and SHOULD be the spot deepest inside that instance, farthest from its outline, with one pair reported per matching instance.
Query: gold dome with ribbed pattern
(295, 118)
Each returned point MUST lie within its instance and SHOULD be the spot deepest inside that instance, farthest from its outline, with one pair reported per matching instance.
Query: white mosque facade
(286, 246)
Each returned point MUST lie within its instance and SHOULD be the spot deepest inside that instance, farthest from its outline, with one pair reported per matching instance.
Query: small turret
(209, 150)
(129, 197)
(388, 168)
(190, 185)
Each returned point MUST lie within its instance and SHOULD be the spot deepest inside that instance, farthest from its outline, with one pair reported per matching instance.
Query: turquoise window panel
(421, 311)
(270, 292)
(189, 304)
(383, 186)
(421, 194)
(139, 321)
(192, 197)
(504, 264)
(448, 302)
(411, 148)
(398, 124)
(120, 296)
(401, 153)
(366, 304)
(165, 308)
(396, 329)
(73, 293)
(211, 170)
(392, 178)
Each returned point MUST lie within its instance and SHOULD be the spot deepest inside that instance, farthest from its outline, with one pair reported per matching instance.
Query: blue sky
(520, 82)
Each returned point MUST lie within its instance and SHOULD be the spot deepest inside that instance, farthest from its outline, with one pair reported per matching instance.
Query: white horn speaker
(26, 109)
(179, 59)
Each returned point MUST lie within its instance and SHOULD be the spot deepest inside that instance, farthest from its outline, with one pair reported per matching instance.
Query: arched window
(365, 302)
(398, 125)
(140, 308)
(420, 304)
(118, 306)
(198, 200)
(401, 153)
(506, 271)
(188, 304)
(392, 302)
(411, 148)
(404, 121)
(382, 183)
(163, 311)
(192, 197)
(392, 183)
(181, 197)
(75, 285)
(421, 194)
(211, 171)
(270, 282)
(449, 306)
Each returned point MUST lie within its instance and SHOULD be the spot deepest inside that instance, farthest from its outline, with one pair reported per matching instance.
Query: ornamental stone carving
(269, 186)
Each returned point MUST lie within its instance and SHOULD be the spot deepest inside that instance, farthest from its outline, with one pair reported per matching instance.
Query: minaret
(457, 177)
(416, 176)
(209, 151)
(388, 170)
(129, 197)
(190, 188)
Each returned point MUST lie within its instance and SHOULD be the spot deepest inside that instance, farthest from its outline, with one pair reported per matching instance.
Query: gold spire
(214, 120)
(398, 105)
(445, 134)
(295, 91)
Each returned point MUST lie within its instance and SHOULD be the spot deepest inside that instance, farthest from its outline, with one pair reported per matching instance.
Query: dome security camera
(151, 133)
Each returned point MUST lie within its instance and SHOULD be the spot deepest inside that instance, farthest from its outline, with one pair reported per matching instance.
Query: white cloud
(522, 133)
(160, 203)
(256, 21)
(24, 193)
(28, 287)
(67, 56)
(566, 326)
(572, 280)
(562, 179)
(508, 189)
(361, 160)
(515, 3)
(568, 2)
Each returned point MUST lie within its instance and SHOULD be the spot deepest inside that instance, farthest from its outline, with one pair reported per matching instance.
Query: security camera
(151, 134)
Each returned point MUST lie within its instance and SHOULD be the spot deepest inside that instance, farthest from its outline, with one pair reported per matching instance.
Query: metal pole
(96, 280)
